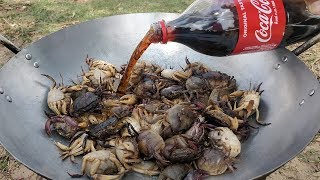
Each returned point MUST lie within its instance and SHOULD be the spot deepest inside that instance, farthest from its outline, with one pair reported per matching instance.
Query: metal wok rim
(102, 18)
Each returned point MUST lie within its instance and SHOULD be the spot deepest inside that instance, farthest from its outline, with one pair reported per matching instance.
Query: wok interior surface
(113, 39)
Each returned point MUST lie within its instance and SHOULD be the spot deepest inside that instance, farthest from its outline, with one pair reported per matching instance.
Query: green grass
(41, 17)
(311, 156)
(4, 163)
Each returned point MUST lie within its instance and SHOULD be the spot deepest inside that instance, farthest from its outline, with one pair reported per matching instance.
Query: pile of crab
(174, 124)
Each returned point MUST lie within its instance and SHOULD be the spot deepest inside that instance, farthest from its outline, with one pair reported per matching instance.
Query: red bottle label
(261, 25)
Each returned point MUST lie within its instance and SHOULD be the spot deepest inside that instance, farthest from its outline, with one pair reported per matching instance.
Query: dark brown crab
(181, 149)
(214, 162)
(151, 145)
(86, 101)
(178, 119)
(176, 171)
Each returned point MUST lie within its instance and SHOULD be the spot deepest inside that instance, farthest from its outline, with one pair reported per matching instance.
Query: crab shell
(245, 101)
(176, 75)
(98, 77)
(102, 65)
(101, 164)
(226, 140)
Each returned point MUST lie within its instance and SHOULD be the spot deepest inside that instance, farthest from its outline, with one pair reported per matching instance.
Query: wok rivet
(311, 93)
(285, 59)
(8, 98)
(302, 102)
(1, 91)
(277, 67)
(36, 64)
(28, 56)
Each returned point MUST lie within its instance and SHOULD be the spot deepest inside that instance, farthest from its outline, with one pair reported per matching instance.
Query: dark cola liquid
(212, 27)
(213, 33)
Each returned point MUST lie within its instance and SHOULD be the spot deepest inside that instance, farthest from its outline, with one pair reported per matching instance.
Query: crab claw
(48, 127)
(70, 121)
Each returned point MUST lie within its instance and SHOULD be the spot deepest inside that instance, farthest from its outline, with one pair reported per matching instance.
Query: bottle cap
(164, 32)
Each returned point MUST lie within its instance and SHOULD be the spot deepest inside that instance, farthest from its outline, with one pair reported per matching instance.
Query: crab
(143, 67)
(214, 162)
(102, 164)
(181, 149)
(91, 118)
(113, 100)
(178, 119)
(86, 102)
(219, 80)
(176, 171)
(149, 86)
(110, 127)
(176, 75)
(151, 145)
(58, 100)
(80, 146)
(196, 67)
(109, 69)
(249, 103)
(65, 125)
(126, 150)
(97, 78)
(149, 168)
(172, 92)
(224, 139)
(222, 118)
(138, 120)
(198, 131)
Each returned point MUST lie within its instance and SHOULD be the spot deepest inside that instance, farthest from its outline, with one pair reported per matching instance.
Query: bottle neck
(161, 32)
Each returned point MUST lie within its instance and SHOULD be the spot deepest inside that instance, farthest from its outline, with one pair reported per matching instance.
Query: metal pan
(290, 101)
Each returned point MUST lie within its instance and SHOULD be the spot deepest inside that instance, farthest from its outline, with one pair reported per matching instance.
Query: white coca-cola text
(263, 34)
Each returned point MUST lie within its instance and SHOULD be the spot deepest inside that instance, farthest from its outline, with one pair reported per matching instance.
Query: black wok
(290, 101)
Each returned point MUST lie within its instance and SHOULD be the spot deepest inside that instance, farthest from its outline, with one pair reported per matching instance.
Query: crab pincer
(64, 125)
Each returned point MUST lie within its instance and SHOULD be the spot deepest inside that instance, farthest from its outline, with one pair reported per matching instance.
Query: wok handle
(8, 44)
(305, 46)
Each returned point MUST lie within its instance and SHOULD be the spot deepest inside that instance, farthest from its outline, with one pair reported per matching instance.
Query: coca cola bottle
(229, 27)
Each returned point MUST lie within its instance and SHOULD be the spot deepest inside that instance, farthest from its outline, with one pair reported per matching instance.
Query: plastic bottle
(229, 27)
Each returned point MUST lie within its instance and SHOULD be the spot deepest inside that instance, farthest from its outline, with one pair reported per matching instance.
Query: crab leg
(62, 146)
(51, 78)
(258, 121)
(106, 177)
